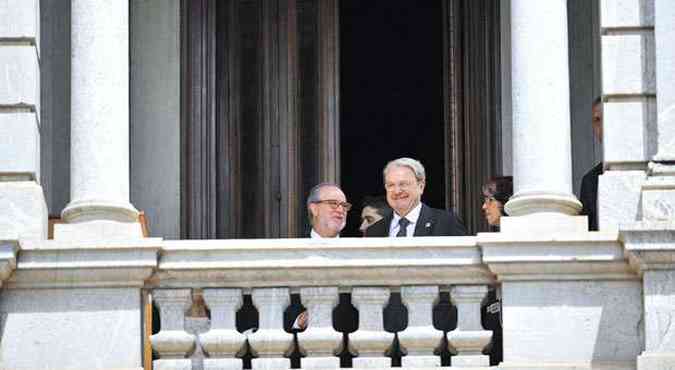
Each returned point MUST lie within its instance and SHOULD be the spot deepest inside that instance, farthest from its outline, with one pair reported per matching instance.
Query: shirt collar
(412, 216)
(314, 235)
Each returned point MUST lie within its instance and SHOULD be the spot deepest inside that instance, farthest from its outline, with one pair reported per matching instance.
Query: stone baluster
(222, 342)
(469, 339)
(320, 342)
(420, 338)
(271, 343)
(370, 341)
(172, 343)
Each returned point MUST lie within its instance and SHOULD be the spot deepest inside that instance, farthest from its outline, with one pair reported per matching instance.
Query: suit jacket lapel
(424, 223)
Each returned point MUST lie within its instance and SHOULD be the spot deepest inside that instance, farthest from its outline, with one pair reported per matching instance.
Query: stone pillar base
(98, 230)
(95, 209)
(172, 365)
(656, 361)
(472, 361)
(223, 364)
(599, 365)
(529, 202)
(270, 363)
(371, 362)
(320, 363)
(550, 223)
(420, 361)
(83, 328)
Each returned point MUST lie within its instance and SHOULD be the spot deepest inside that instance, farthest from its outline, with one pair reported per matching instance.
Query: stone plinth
(650, 246)
(24, 210)
(568, 300)
(74, 306)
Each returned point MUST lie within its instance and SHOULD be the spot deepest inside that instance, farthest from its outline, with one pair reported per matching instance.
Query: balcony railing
(270, 271)
(569, 300)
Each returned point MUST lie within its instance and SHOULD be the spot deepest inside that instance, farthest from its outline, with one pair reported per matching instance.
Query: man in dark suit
(404, 181)
(589, 183)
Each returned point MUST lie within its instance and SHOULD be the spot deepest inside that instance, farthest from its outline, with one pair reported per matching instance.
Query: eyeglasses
(334, 204)
(403, 185)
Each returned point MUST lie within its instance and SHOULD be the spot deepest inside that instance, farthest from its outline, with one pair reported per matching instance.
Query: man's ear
(422, 183)
(313, 209)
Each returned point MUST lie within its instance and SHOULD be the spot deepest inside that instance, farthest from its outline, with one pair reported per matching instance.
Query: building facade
(215, 117)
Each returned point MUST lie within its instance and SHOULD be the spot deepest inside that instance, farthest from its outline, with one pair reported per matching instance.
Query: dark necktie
(402, 226)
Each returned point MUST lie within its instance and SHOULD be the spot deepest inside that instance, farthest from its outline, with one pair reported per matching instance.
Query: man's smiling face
(404, 191)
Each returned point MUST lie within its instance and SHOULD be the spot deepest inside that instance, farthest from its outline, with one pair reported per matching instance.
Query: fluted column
(223, 341)
(541, 110)
(100, 113)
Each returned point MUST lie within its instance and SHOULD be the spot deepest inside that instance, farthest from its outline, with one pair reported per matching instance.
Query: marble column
(100, 113)
(541, 111)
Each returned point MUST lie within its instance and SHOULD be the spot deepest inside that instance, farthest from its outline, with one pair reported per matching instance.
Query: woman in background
(496, 193)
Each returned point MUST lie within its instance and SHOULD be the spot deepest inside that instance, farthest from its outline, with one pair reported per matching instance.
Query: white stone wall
(154, 88)
(22, 206)
(628, 89)
(62, 328)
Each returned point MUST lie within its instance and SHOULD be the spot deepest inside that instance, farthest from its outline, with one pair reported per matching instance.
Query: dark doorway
(391, 95)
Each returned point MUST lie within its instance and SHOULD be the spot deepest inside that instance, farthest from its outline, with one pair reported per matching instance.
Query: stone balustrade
(370, 270)
(569, 300)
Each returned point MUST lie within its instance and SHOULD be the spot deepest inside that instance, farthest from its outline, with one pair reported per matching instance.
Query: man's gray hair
(314, 196)
(414, 165)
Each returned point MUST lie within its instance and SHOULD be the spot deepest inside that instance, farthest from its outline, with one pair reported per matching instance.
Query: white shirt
(412, 216)
(314, 235)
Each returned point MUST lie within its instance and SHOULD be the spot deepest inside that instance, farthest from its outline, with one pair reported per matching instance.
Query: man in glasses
(327, 209)
(404, 181)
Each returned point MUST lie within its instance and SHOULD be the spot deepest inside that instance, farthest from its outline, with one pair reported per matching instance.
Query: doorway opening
(391, 96)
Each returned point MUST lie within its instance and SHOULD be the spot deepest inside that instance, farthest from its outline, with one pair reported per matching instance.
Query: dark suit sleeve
(457, 227)
(589, 196)
(379, 229)
(449, 224)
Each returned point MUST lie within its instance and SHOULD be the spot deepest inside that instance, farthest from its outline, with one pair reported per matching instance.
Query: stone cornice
(312, 262)
(563, 256)
(650, 245)
(85, 264)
